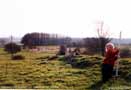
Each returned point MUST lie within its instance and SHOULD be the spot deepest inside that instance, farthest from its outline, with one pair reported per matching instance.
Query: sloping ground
(40, 70)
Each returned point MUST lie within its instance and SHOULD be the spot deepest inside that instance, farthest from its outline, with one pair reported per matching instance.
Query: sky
(75, 18)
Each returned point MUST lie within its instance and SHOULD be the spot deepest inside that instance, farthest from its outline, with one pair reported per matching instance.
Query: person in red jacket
(111, 55)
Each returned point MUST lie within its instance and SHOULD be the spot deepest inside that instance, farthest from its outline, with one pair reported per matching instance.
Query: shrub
(18, 57)
(125, 52)
(62, 50)
(12, 48)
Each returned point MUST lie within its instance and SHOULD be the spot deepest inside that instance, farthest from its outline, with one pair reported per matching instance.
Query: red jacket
(111, 56)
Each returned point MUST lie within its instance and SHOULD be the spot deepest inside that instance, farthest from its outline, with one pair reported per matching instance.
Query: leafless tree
(103, 36)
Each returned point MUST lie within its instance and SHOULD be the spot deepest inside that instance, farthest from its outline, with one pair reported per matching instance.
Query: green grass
(36, 71)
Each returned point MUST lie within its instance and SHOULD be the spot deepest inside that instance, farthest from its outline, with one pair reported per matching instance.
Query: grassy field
(39, 71)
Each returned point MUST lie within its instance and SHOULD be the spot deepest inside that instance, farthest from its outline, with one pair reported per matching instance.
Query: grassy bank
(39, 71)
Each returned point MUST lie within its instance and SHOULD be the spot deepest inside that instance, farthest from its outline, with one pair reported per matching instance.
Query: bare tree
(103, 36)
(97, 44)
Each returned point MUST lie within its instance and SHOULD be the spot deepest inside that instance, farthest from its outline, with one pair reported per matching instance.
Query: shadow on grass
(79, 61)
(3, 53)
(97, 86)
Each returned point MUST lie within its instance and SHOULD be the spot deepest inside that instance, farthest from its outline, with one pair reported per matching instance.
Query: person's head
(109, 47)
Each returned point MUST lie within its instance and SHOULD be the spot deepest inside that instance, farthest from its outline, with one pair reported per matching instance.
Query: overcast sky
(76, 18)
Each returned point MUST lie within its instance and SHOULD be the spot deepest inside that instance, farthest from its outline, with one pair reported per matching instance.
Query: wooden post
(117, 62)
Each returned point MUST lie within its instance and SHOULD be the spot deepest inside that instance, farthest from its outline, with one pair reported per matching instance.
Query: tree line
(92, 45)
(40, 39)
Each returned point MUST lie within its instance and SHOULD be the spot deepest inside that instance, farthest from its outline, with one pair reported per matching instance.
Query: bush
(18, 57)
(12, 48)
(125, 52)
(62, 50)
